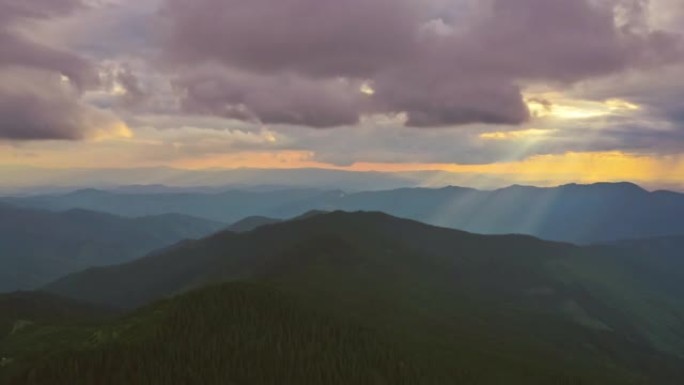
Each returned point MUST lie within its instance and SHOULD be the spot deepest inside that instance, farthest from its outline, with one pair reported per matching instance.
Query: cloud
(11, 10)
(105, 29)
(566, 40)
(283, 98)
(19, 52)
(39, 105)
(41, 85)
(658, 124)
(469, 66)
(228, 65)
(16, 49)
(318, 38)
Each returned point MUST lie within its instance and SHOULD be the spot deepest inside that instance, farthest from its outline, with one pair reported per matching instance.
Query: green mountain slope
(37, 324)
(23, 309)
(529, 308)
(232, 334)
(257, 334)
(38, 246)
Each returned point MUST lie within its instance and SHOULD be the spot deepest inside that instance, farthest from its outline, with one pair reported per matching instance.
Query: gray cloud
(320, 38)
(439, 74)
(39, 105)
(11, 10)
(40, 85)
(285, 98)
(18, 50)
(303, 63)
(390, 143)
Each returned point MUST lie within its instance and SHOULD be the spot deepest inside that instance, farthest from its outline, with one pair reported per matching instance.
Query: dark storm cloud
(437, 73)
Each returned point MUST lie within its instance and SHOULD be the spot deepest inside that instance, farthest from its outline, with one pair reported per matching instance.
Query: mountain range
(451, 304)
(38, 246)
(582, 214)
(21, 179)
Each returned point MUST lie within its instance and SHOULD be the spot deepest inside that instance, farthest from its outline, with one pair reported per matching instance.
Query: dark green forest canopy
(376, 300)
(254, 334)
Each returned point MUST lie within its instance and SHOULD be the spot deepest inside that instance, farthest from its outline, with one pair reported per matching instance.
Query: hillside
(41, 324)
(456, 297)
(665, 256)
(658, 247)
(583, 214)
(258, 334)
(23, 309)
(39, 246)
(251, 223)
(236, 333)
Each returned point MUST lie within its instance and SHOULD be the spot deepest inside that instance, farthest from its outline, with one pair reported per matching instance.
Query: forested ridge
(250, 334)
(362, 298)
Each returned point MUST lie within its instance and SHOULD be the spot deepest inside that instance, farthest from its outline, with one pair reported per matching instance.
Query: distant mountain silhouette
(227, 207)
(483, 308)
(582, 214)
(39, 246)
(573, 213)
(251, 223)
(32, 179)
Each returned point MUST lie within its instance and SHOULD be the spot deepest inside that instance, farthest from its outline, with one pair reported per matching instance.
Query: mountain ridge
(37, 246)
(456, 287)
(583, 214)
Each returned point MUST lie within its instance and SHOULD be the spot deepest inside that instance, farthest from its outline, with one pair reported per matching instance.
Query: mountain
(39, 246)
(32, 322)
(582, 214)
(251, 223)
(483, 309)
(234, 333)
(667, 247)
(665, 256)
(19, 179)
(22, 310)
(228, 207)
(573, 213)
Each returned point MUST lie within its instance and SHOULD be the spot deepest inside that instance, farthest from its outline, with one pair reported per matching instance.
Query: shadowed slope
(39, 246)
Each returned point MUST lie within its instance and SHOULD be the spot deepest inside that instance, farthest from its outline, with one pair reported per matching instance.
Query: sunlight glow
(367, 89)
(117, 130)
(118, 90)
(555, 106)
(513, 135)
(619, 104)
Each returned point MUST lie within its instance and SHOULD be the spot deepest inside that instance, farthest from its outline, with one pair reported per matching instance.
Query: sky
(525, 91)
